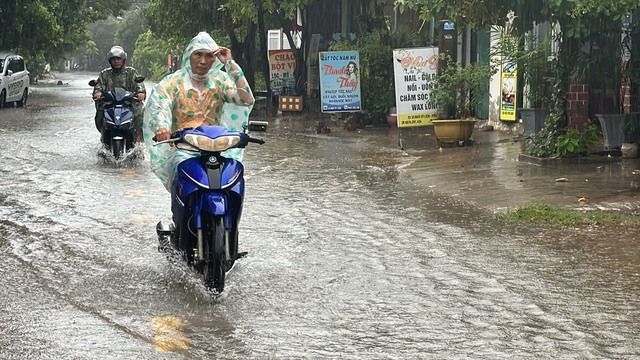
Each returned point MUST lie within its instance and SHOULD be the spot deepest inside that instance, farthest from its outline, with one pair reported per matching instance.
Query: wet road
(348, 258)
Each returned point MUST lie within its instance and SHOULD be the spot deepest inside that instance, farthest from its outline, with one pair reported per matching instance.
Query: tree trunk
(300, 73)
(242, 51)
(634, 62)
(264, 57)
(562, 81)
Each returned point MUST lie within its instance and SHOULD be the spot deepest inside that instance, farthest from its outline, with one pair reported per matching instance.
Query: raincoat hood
(202, 41)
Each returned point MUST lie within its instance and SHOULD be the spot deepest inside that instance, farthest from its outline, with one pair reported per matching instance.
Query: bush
(460, 89)
(569, 143)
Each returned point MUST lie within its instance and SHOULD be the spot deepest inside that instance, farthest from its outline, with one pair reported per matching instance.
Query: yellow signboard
(508, 90)
(415, 71)
(419, 119)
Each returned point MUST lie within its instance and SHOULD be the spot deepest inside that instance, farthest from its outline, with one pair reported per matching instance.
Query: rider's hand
(162, 134)
(223, 54)
(142, 96)
(97, 95)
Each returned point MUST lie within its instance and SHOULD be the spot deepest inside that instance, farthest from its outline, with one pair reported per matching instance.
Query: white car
(14, 80)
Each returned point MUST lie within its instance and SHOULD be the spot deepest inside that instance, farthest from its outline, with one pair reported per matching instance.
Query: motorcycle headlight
(205, 143)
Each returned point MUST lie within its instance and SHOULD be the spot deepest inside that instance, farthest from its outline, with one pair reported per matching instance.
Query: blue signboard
(340, 81)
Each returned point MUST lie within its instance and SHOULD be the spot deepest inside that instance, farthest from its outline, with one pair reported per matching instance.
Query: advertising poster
(508, 88)
(282, 64)
(415, 72)
(340, 81)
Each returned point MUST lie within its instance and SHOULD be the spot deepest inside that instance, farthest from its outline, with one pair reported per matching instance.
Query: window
(16, 65)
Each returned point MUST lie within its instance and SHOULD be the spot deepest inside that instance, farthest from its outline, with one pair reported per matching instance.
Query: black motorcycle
(118, 128)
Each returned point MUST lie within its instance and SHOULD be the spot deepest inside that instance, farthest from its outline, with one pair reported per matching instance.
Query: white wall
(494, 85)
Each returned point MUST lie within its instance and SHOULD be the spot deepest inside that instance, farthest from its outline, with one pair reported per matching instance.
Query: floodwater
(349, 257)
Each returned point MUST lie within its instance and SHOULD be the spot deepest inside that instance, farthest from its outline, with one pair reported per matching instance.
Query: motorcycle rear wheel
(214, 253)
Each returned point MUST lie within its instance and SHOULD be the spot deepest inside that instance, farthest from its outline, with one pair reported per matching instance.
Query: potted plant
(631, 131)
(608, 78)
(537, 75)
(392, 117)
(457, 94)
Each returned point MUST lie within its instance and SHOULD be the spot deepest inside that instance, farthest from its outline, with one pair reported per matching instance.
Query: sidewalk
(492, 174)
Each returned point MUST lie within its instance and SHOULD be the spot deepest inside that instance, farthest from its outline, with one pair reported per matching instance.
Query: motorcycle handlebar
(256, 141)
(176, 135)
(111, 99)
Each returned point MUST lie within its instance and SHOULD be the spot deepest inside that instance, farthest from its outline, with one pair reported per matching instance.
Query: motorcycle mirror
(139, 79)
(92, 83)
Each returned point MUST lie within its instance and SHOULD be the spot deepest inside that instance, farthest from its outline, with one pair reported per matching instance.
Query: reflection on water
(168, 334)
(354, 251)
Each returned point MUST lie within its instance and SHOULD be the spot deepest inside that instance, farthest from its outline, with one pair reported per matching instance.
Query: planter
(612, 130)
(392, 120)
(629, 150)
(453, 131)
(392, 117)
(533, 120)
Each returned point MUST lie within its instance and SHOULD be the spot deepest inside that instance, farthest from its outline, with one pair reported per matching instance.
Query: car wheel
(23, 101)
(3, 100)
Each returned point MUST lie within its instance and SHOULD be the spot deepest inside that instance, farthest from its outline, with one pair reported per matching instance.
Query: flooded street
(348, 257)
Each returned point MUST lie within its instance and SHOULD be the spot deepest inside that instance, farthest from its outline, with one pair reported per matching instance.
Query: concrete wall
(494, 86)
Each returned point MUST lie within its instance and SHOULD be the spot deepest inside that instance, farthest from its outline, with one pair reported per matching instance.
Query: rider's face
(116, 62)
(201, 61)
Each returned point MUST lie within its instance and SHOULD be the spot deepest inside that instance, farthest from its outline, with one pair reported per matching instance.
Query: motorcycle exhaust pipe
(257, 125)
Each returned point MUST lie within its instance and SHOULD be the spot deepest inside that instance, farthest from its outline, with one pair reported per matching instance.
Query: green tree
(151, 55)
(127, 32)
(102, 32)
(177, 19)
(47, 31)
(480, 13)
(243, 21)
(578, 22)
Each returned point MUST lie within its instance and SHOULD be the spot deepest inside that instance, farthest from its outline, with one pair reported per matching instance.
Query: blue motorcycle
(118, 128)
(206, 202)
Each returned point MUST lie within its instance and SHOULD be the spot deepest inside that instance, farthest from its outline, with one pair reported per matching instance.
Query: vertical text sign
(282, 64)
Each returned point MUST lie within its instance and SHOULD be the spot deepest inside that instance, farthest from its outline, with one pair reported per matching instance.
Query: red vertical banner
(282, 64)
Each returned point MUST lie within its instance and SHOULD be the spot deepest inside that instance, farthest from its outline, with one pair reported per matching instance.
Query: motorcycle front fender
(212, 203)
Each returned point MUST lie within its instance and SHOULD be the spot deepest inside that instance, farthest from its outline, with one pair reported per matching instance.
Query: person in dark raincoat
(119, 75)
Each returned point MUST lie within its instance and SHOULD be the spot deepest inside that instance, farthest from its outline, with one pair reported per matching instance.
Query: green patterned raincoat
(176, 104)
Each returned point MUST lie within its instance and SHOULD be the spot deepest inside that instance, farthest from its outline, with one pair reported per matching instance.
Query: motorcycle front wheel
(214, 253)
(117, 147)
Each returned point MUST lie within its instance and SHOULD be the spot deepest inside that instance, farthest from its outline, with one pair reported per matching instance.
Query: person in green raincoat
(200, 93)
